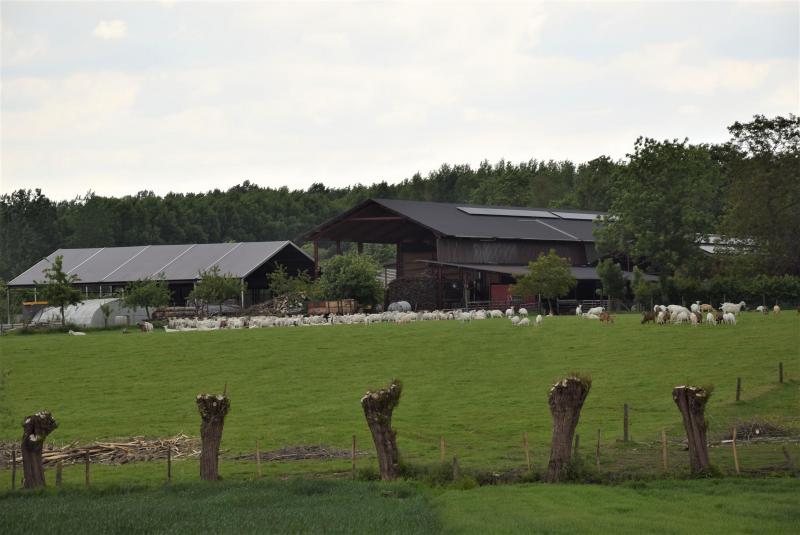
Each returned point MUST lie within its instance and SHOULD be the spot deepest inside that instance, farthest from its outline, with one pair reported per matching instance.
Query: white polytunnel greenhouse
(89, 314)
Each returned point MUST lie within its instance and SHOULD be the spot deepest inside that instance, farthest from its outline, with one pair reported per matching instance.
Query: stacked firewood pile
(299, 453)
(420, 292)
(282, 305)
(127, 451)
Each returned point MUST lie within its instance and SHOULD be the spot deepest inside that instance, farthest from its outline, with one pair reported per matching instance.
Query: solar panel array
(513, 212)
(174, 262)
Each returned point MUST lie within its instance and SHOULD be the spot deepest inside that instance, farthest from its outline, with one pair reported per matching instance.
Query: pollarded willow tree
(213, 408)
(378, 406)
(35, 428)
(566, 399)
(691, 401)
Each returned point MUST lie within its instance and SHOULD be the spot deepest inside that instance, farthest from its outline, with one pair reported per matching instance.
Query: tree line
(663, 198)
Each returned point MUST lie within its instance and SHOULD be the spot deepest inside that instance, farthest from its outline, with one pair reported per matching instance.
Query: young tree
(611, 278)
(351, 276)
(643, 291)
(58, 289)
(665, 202)
(549, 276)
(280, 283)
(146, 293)
(105, 309)
(215, 287)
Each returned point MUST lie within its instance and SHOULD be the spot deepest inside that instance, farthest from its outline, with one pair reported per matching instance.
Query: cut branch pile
(282, 305)
(299, 453)
(130, 450)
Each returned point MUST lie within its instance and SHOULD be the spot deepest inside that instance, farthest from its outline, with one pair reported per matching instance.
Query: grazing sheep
(776, 309)
(729, 318)
(523, 312)
(524, 322)
(538, 320)
(710, 320)
(76, 333)
(648, 316)
(733, 308)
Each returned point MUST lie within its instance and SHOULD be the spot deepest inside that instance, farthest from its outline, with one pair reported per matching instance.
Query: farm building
(102, 271)
(459, 252)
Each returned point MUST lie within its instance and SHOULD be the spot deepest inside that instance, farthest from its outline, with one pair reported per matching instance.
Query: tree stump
(566, 399)
(35, 430)
(378, 407)
(213, 408)
(691, 401)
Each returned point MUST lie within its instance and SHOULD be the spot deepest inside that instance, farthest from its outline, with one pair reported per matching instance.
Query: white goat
(515, 320)
(509, 312)
(524, 322)
(729, 318)
(523, 312)
(76, 333)
(578, 310)
(710, 319)
(733, 308)
(538, 320)
(595, 310)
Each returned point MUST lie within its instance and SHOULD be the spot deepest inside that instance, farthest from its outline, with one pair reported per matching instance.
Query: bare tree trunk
(35, 430)
(691, 401)
(378, 407)
(213, 408)
(566, 399)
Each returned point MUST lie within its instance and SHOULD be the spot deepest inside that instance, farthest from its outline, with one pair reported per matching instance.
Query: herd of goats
(401, 313)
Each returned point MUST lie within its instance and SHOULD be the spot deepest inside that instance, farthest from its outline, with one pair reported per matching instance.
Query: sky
(118, 97)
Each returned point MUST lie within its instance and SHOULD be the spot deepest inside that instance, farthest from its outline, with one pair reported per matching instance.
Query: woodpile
(130, 450)
(282, 305)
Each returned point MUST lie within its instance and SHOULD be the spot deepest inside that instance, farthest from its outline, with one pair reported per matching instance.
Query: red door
(501, 294)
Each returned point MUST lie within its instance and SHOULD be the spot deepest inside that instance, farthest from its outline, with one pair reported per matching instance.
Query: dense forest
(700, 189)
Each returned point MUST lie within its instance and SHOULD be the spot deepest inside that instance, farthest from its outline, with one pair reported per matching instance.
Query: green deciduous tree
(147, 293)
(216, 288)
(611, 278)
(762, 202)
(351, 276)
(281, 283)
(58, 287)
(549, 276)
(665, 203)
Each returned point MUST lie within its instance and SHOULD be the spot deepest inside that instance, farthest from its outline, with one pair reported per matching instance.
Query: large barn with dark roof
(101, 270)
(473, 252)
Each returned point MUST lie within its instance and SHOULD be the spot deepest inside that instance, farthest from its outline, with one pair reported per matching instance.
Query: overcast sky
(170, 96)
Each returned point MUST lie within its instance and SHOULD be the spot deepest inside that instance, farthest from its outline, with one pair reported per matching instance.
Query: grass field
(710, 506)
(479, 385)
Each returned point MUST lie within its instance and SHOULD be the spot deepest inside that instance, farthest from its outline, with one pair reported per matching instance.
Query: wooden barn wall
(506, 252)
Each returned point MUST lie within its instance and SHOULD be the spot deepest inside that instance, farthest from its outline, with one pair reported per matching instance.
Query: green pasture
(480, 385)
(306, 506)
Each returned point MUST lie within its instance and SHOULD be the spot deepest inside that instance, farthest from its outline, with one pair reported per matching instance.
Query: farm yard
(478, 385)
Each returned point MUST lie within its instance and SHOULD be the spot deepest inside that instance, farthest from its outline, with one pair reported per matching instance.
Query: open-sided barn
(102, 270)
(466, 251)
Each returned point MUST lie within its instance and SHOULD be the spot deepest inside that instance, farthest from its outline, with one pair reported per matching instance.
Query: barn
(467, 253)
(104, 270)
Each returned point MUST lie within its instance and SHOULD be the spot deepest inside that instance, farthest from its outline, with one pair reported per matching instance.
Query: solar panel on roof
(574, 215)
(504, 212)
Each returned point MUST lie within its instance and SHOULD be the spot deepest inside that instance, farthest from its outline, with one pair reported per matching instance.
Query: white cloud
(20, 48)
(110, 29)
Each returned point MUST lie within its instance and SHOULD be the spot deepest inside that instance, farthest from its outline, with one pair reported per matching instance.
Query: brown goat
(648, 316)
(606, 317)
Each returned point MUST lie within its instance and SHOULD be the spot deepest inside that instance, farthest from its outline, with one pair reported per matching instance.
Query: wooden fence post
(527, 450)
(258, 460)
(456, 470)
(738, 388)
(780, 372)
(441, 449)
(625, 423)
(664, 464)
(169, 463)
(86, 463)
(59, 468)
(597, 451)
(13, 469)
(353, 458)
(735, 456)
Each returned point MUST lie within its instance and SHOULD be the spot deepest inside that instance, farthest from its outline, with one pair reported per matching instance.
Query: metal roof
(105, 265)
(480, 222)
(579, 272)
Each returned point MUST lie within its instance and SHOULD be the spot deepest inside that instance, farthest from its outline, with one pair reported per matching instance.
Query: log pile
(282, 305)
(127, 451)
(300, 453)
